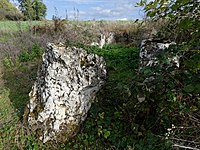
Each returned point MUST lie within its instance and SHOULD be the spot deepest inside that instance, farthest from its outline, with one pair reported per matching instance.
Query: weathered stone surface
(102, 40)
(106, 38)
(150, 49)
(149, 52)
(67, 83)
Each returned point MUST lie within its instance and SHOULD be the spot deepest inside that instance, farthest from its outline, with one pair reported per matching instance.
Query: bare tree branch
(186, 147)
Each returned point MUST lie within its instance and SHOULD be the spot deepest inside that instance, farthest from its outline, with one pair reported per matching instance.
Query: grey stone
(150, 49)
(105, 38)
(67, 83)
(149, 52)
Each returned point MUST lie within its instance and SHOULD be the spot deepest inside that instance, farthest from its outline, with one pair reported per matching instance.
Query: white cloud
(123, 19)
(96, 9)
(114, 9)
(84, 1)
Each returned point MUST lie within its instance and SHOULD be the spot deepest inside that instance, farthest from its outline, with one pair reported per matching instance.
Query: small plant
(8, 62)
(35, 53)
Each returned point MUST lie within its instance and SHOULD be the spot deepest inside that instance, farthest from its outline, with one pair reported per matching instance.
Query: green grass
(13, 136)
(8, 118)
(14, 26)
(6, 108)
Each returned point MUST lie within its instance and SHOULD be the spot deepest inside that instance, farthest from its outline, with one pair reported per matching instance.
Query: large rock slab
(151, 49)
(67, 83)
(151, 67)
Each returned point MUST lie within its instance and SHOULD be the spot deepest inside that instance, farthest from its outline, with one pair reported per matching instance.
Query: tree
(40, 10)
(33, 9)
(27, 9)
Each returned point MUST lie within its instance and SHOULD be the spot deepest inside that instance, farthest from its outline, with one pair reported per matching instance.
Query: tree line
(33, 9)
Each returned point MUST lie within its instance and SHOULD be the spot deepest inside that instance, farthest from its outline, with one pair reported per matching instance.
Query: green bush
(8, 63)
(174, 95)
(182, 16)
(176, 90)
(35, 53)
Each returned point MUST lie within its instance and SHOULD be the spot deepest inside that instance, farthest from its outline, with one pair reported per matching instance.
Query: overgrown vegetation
(8, 11)
(182, 16)
(169, 118)
(106, 116)
(33, 9)
(175, 100)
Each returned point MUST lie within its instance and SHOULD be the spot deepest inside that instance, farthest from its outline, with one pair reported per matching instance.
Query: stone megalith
(151, 48)
(104, 39)
(67, 82)
(149, 52)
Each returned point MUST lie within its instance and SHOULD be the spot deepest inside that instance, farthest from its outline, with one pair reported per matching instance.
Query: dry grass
(28, 33)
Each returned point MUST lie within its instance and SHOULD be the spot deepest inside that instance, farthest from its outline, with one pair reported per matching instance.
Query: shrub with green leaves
(182, 16)
(175, 99)
(35, 53)
(172, 100)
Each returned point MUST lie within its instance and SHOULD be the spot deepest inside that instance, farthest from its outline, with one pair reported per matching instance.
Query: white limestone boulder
(104, 39)
(67, 82)
(151, 48)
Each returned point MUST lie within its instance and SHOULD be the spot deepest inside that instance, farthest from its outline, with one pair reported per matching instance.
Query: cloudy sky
(94, 9)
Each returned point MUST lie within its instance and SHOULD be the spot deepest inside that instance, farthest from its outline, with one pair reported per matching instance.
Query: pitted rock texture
(67, 83)
(149, 53)
(151, 48)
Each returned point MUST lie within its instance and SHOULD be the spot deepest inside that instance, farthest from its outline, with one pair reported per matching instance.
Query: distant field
(13, 26)
(23, 25)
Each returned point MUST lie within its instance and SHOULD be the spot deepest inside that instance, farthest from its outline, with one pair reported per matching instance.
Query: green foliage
(19, 72)
(9, 126)
(35, 53)
(8, 63)
(40, 10)
(13, 98)
(106, 125)
(110, 122)
(9, 11)
(175, 94)
(182, 16)
(33, 9)
(170, 97)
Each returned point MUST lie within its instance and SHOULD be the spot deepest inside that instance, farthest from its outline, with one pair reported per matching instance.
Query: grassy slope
(8, 10)
(13, 26)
